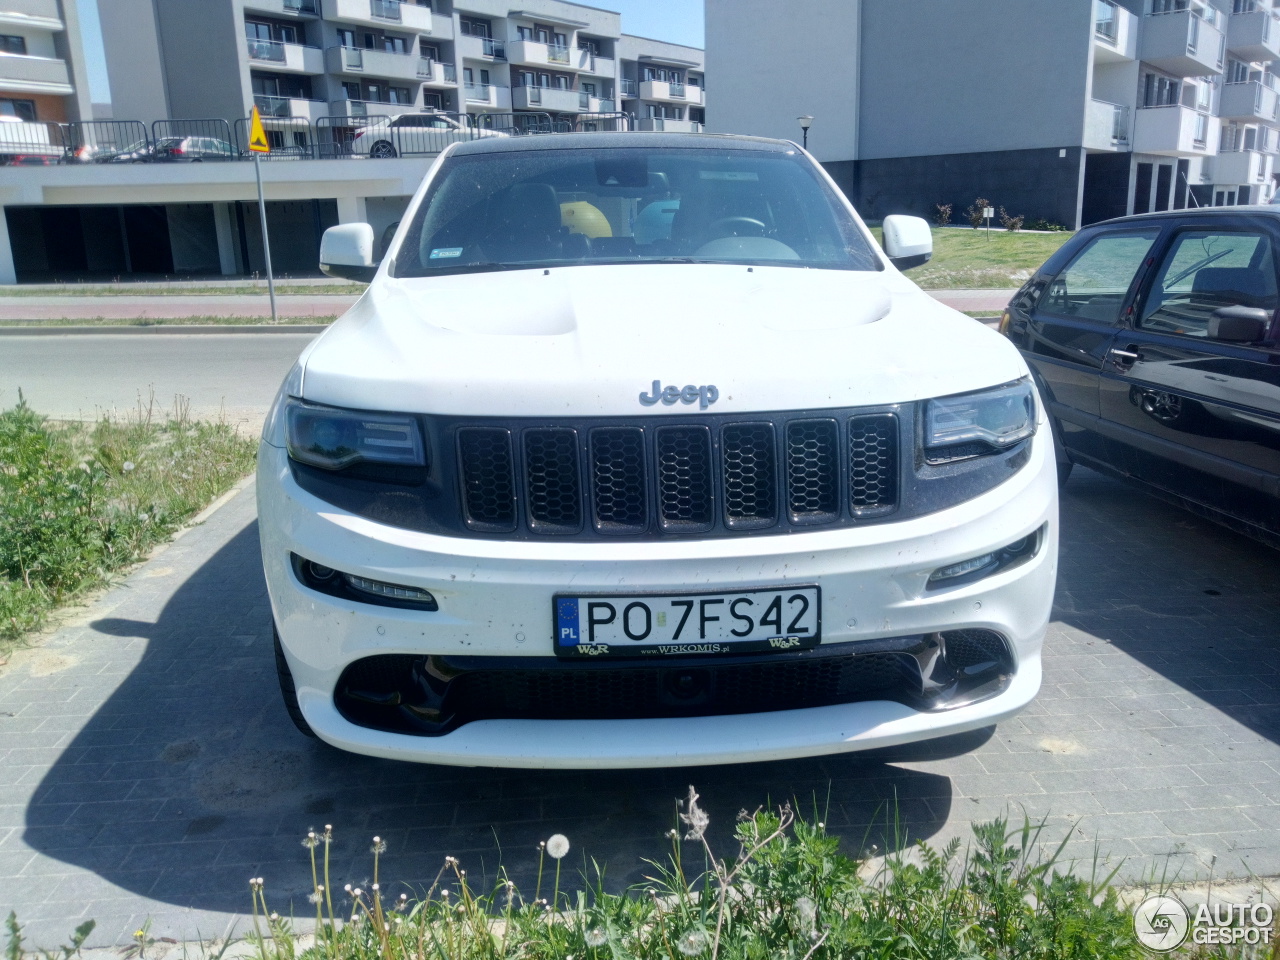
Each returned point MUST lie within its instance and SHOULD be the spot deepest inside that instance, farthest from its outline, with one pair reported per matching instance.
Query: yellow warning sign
(257, 136)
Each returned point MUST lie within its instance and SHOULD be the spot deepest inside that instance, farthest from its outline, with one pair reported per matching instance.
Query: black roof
(635, 138)
(1255, 208)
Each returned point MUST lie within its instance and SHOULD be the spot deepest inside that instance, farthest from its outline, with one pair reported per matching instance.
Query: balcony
(480, 48)
(284, 57)
(669, 92)
(590, 104)
(489, 96)
(595, 64)
(1254, 36)
(1241, 167)
(668, 126)
(1106, 126)
(40, 14)
(284, 8)
(1182, 44)
(1248, 101)
(435, 74)
(550, 99)
(1115, 33)
(368, 108)
(532, 53)
(21, 74)
(1175, 131)
(290, 107)
(408, 16)
(374, 63)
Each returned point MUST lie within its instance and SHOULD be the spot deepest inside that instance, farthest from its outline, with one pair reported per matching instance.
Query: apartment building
(1072, 111)
(316, 59)
(42, 71)
(662, 85)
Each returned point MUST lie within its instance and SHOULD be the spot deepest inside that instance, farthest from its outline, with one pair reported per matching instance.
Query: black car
(1153, 340)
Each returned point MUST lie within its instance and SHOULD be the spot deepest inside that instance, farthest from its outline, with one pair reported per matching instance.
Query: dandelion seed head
(404, 897)
(357, 892)
(695, 817)
(379, 846)
(274, 915)
(127, 466)
(315, 897)
(557, 845)
(821, 825)
(692, 942)
(375, 888)
(346, 887)
(311, 841)
(596, 937)
(450, 859)
(807, 909)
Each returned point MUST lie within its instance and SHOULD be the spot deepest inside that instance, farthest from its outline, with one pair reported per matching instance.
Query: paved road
(75, 377)
(147, 767)
(170, 306)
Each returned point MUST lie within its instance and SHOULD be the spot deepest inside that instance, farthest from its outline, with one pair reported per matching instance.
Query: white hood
(588, 340)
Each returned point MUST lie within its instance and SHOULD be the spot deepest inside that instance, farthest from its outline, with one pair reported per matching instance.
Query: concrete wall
(69, 46)
(770, 62)
(131, 37)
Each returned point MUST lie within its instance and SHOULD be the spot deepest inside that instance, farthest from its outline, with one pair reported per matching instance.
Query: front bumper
(495, 599)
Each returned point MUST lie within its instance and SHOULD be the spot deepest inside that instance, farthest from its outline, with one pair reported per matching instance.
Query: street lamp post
(804, 125)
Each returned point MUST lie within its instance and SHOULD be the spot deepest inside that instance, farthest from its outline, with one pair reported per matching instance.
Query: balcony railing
(1105, 19)
(269, 106)
(677, 89)
(1201, 135)
(493, 48)
(482, 92)
(300, 6)
(584, 100)
(352, 58)
(557, 54)
(534, 93)
(385, 10)
(271, 50)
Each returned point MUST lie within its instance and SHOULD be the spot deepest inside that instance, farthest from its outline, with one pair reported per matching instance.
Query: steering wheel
(737, 227)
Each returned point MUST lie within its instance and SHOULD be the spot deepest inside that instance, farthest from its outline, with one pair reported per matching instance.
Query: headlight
(976, 423)
(330, 438)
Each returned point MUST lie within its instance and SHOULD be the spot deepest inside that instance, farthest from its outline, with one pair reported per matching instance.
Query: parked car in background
(176, 150)
(1154, 341)
(414, 133)
(556, 493)
(23, 142)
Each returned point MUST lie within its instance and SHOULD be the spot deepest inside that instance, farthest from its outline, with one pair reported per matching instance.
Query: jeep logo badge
(670, 395)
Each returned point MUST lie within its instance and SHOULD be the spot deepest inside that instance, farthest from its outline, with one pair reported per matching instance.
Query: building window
(429, 50)
(13, 44)
(22, 109)
(474, 27)
(561, 82)
(400, 95)
(351, 90)
(347, 38)
(1158, 91)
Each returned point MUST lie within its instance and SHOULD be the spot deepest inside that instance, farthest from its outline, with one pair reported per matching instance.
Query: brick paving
(147, 768)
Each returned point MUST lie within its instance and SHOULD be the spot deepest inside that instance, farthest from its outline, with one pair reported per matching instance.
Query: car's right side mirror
(1239, 324)
(908, 241)
(346, 251)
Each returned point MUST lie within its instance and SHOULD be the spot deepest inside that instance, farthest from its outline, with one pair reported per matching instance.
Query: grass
(787, 893)
(965, 259)
(163, 289)
(79, 501)
(204, 321)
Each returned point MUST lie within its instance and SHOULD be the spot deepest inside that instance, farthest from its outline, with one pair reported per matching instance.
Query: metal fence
(290, 138)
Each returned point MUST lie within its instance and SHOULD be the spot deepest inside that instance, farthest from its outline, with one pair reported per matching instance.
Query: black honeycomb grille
(873, 463)
(618, 479)
(489, 497)
(813, 470)
(971, 648)
(552, 481)
(684, 477)
(653, 478)
(750, 475)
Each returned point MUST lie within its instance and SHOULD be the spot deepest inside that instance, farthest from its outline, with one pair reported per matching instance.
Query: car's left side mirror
(1238, 324)
(346, 251)
(908, 241)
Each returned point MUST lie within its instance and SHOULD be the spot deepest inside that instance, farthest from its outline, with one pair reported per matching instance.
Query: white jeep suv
(638, 451)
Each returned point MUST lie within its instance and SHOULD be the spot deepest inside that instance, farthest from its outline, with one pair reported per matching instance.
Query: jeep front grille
(658, 478)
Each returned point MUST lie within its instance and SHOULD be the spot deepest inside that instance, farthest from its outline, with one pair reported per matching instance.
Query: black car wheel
(287, 689)
(382, 150)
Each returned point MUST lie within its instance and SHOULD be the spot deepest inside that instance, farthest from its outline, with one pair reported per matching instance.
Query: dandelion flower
(692, 942)
(139, 934)
(695, 817)
(596, 937)
(557, 846)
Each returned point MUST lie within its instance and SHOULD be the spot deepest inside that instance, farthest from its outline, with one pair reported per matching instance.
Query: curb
(35, 330)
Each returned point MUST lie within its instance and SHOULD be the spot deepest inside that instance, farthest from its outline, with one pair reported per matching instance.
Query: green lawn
(968, 260)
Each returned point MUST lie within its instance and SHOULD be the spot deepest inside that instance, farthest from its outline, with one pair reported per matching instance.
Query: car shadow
(190, 779)
(1192, 602)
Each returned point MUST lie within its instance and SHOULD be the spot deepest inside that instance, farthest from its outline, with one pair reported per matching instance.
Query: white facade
(42, 74)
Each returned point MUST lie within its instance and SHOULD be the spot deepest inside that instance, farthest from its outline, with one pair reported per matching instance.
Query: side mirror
(347, 251)
(1239, 324)
(908, 241)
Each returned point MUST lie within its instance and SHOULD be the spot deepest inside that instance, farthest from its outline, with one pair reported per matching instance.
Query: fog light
(319, 570)
(963, 568)
(390, 591)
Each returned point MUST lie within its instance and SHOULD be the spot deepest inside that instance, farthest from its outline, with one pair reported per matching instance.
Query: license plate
(705, 623)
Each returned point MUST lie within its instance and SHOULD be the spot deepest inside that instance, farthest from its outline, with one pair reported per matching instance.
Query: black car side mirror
(1239, 324)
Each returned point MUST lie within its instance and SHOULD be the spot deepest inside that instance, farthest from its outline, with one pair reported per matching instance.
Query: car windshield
(517, 209)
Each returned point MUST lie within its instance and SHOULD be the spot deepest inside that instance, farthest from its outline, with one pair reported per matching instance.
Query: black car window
(1094, 284)
(1205, 270)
